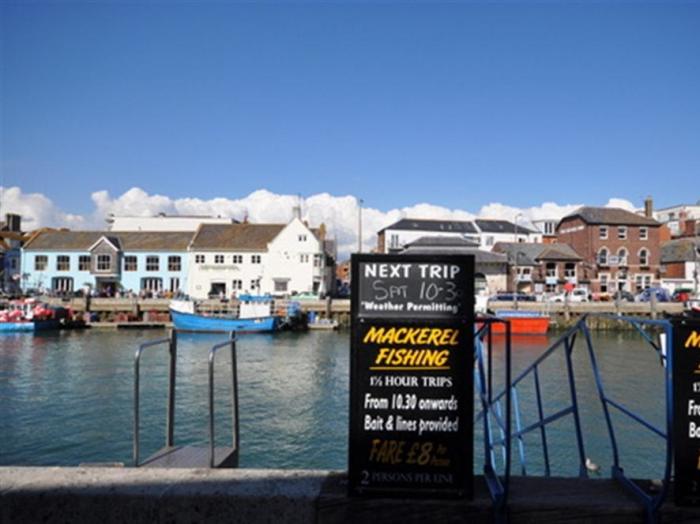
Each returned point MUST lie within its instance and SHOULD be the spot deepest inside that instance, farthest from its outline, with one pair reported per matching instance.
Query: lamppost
(515, 261)
(359, 225)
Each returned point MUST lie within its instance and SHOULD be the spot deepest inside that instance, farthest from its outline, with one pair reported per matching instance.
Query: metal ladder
(171, 455)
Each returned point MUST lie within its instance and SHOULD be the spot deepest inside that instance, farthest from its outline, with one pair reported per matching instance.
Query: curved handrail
(234, 393)
(137, 420)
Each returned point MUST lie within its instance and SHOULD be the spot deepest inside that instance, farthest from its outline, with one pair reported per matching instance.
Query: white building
(675, 217)
(163, 222)
(277, 259)
(485, 233)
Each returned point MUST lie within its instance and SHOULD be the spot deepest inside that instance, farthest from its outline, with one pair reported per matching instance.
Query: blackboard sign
(411, 380)
(686, 412)
(395, 288)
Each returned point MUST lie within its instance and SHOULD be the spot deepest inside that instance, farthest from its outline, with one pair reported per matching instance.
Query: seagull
(592, 466)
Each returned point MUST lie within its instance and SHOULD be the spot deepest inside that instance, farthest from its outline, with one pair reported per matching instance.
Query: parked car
(661, 294)
(623, 296)
(575, 295)
(511, 297)
(682, 295)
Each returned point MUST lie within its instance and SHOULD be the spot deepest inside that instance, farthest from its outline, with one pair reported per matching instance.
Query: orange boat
(522, 322)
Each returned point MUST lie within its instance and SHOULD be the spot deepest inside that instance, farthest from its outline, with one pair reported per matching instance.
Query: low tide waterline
(67, 398)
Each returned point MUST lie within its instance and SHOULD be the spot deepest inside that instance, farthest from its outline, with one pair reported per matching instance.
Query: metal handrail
(498, 486)
(137, 420)
(651, 503)
(510, 392)
(234, 394)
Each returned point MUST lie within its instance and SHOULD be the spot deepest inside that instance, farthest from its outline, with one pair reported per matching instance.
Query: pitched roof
(452, 246)
(446, 226)
(501, 226)
(127, 241)
(680, 250)
(245, 237)
(442, 242)
(611, 215)
(530, 253)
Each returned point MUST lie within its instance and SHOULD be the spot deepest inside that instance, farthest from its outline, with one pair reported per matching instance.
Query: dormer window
(104, 262)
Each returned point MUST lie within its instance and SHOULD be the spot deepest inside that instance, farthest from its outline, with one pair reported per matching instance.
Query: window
(255, 259)
(280, 286)
(603, 232)
(254, 284)
(104, 262)
(152, 263)
(151, 284)
(394, 241)
(174, 263)
(603, 283)
(622, 256)
(304, 259)
(551, 269)
(62, 263)
(643, 257)
(84, 263)
(318, 261)
(199, 259)
(174, 284)
(643, 233)
(570, 270)
(13, 263)
(489, 240)
(237, 259)
(237, 284)
(62, 284)
(130, 263)
(302, 238)
(40, 262)
(603, 257)
(218, 259)
(622, 232)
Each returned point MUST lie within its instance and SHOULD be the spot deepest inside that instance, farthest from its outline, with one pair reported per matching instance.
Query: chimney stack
(649, 207)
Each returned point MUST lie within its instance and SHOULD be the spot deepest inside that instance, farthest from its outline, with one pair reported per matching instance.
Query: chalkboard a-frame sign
(686, 412)
(411, 381)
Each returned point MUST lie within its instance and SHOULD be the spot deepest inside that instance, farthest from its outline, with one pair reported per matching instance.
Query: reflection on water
(67, 398)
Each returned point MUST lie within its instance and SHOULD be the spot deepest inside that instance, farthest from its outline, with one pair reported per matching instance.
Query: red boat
(522, 322)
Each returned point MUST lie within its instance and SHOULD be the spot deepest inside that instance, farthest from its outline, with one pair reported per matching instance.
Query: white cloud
(339, 213)
(36, 210)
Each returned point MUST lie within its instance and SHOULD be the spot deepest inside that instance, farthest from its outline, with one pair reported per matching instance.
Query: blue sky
(456, 105)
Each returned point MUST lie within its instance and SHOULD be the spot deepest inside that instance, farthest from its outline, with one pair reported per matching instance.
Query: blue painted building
(107, 261)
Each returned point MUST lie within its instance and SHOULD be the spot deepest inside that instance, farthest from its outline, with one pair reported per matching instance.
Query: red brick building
(620, 249)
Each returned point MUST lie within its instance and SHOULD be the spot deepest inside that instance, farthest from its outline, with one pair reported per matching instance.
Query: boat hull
(522, 323)
(193, 322)
(37, 325)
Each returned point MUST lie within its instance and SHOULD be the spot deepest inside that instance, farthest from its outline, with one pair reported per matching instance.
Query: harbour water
(67, 398)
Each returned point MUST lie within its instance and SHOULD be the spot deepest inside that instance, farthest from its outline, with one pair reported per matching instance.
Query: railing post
(170, 423)
(234, 392)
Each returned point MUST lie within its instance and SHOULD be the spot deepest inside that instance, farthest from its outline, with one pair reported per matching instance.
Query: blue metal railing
(496, 418)
(498, 485)
(651, 501)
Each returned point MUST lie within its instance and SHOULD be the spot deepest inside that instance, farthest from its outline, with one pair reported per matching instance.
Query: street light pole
(359, 225)
(515, 262)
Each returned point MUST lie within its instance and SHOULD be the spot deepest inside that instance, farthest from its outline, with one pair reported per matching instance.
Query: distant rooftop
(612, 216)
(501, 226)
(446, 226)
(531, 253)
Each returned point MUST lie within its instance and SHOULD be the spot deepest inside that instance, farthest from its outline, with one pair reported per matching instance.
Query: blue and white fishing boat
(255, 316)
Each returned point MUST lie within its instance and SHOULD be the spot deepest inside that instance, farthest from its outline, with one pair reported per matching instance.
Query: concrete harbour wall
(115, 495)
